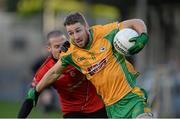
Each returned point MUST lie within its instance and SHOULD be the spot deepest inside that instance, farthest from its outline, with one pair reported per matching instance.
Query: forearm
(136, 24)
(25, 108)
(50, 77)
(30, 101)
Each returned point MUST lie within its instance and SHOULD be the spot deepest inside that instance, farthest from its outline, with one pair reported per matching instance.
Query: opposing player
(93, 54)
(77, 95)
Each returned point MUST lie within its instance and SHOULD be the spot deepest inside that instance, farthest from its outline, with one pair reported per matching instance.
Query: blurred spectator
(47, 101)
(163, 85)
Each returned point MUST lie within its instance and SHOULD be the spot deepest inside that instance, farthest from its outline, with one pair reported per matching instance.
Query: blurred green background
(10, 110)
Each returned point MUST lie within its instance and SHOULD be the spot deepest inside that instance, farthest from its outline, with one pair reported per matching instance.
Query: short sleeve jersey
(111, 74)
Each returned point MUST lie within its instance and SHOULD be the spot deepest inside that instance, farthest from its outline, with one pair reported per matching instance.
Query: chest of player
(94, 58)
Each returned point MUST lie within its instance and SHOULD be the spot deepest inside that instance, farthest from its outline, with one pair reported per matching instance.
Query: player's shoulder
(47, 64)
(94, 30)
(70, 51)
(100, 26)
(96, 27)
(100, 29)
(49, 61)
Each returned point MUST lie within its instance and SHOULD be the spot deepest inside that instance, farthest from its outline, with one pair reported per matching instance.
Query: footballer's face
(54, 45)
(78, 33)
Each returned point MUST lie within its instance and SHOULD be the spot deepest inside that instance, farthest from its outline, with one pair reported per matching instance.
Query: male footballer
(93, 54)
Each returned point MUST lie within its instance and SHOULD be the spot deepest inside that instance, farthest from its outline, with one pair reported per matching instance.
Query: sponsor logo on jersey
(97, 67)
(81, 59)
(102, 49)
(92, 54)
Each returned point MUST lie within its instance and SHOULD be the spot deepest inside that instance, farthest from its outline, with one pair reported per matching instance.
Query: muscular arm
(141, 40)
(136, 24)
(51, 76)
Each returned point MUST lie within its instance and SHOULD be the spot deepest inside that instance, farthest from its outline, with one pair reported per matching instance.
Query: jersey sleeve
(105, 29)
(66, 57)
(64, 61)
(102, 30)
(37, 78)
(111, 26)
(39, 75)
(67, 60)
(120, 25)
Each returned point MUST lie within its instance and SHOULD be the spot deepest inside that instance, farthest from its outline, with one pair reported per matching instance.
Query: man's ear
(48, 48)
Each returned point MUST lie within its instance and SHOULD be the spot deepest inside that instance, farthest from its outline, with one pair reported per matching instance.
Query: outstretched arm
(25, 108)
(34, 92)
(51, 76)
(29, 102)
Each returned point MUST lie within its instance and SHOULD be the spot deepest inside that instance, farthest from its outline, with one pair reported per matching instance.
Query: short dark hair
(73, 18)
(54, 33)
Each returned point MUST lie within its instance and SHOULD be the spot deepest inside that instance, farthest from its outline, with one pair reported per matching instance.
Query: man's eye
(70, 34)
(78, 31)
(57, 46)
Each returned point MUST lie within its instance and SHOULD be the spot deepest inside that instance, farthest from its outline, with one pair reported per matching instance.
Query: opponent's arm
(34, 92)
(30, 101)
(25, 108)
(32, 96)
(51, 76)
(140, 41)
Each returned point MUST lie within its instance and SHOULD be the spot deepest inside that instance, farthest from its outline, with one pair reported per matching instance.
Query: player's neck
(54, 58)
(87, 42)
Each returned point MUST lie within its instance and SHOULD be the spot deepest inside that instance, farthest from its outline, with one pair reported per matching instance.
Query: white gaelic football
(121, 40)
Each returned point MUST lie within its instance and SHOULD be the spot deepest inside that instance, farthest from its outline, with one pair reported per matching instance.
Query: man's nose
(76, 36)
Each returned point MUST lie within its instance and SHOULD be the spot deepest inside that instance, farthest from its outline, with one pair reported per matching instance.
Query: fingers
(64, 49)
(65, 46)
(33, 95)
(133, 39)
(135, 49)
(30, 94)
(140, 42)
(132, 48)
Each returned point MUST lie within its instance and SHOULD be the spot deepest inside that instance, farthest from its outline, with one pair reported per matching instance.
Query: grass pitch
(10, 110)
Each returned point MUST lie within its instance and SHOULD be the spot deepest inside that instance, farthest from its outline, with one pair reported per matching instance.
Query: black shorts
(101, 113)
